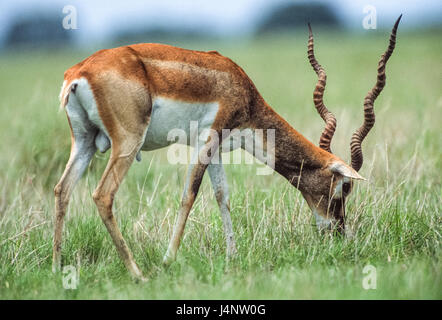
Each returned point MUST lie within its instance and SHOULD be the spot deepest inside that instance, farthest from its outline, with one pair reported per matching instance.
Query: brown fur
(145, 70)
(193, 76)
(124, 82)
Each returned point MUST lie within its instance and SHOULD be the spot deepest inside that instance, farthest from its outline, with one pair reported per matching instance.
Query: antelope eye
(346, 187)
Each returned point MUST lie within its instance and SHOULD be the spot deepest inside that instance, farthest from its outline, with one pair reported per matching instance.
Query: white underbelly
(171, 117)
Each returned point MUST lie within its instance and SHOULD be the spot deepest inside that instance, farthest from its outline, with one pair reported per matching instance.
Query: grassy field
(395, 216)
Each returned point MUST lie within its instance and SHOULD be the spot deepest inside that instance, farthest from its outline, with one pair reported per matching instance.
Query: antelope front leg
(193, 182)
(116, 169)
(220, 187)
(195, 175)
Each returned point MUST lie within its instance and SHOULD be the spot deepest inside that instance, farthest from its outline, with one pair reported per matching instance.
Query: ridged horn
(369, 117)
(327, 116)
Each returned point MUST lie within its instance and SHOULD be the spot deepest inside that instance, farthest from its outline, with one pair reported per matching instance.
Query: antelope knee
(58, 190)
(103, 201)
(61, 194)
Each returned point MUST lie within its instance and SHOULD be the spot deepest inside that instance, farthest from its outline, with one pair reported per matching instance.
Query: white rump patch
(87, 100)
(83, 108)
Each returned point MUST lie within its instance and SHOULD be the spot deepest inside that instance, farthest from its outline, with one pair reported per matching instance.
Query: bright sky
(99, 19)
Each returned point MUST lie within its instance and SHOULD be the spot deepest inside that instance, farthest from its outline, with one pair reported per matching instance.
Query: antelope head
(326, 190)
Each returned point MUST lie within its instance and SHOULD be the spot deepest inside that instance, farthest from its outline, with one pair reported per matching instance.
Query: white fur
(338, 189)
(345, 170)
(83, 131)
(61, 95)
(321, 222)
(220, 187)
(84, 97)
(169, 114)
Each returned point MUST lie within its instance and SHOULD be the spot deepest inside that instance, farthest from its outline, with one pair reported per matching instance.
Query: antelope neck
(294, 154)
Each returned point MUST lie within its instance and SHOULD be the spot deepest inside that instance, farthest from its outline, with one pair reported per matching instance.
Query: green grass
(395, 216)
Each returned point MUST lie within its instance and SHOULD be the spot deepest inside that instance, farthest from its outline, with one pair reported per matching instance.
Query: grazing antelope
(129, 98)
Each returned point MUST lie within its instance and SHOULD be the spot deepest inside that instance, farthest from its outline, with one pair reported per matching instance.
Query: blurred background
(396, 214)
(39, 40)
(35, 23)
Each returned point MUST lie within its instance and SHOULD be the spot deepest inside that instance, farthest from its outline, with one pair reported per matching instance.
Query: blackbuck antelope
(129, 98)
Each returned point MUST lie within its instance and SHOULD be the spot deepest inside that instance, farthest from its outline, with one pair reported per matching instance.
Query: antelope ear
(345, 170)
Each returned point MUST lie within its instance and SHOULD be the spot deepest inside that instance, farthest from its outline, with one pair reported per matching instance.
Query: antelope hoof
(349, 234)
(56, 266)
(140, 279)
(168, 259)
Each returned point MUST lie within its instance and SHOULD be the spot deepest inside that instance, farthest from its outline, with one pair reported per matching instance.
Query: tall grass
(395, 217)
